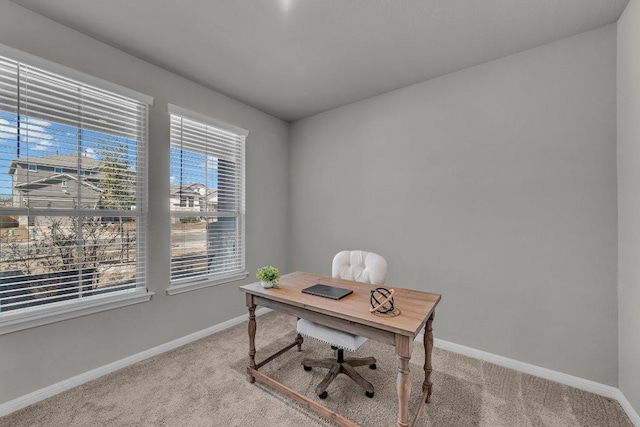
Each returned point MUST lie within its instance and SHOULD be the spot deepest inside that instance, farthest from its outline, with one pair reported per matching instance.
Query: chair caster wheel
(372, 366)
(307, 368)
(369, 395)
(324, 395)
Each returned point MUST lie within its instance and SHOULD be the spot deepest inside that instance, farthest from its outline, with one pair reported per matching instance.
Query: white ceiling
(295, 58)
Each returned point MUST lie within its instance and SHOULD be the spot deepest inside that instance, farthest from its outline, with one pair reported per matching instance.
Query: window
(206, 200)
(82, 249)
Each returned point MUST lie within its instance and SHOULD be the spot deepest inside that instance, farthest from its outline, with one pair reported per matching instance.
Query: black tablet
(327, 291)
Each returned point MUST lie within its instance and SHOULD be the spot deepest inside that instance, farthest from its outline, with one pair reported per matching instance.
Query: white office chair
(360, 266)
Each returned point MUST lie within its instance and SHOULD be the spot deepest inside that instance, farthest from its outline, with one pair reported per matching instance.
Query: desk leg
(428, 348)
(252, 336)
(403, 352)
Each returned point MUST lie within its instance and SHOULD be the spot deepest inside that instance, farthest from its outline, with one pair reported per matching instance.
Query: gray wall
(629, 203)
(35, 358)
(494, 186)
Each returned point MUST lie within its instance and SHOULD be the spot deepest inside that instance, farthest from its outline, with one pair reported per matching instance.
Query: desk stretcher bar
(350, 317)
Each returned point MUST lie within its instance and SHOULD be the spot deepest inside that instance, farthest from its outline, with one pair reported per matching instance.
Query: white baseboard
(562, 378)
(551, 375)
(570, 380)
(52, 390)
(633, 415)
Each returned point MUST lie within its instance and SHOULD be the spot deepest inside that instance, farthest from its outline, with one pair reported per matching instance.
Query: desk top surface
(414, 306)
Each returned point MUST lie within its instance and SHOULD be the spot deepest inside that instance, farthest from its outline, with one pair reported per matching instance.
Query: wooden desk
(350, 314)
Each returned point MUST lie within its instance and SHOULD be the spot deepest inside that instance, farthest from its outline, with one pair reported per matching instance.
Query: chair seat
(329, 335)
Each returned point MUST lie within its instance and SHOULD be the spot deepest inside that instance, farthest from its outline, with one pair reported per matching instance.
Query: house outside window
(77, 244)
(207, 192)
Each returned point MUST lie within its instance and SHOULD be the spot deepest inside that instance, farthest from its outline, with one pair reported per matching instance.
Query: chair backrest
(361, 266)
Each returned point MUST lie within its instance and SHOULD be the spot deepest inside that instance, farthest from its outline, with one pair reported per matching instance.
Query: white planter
(266, 285)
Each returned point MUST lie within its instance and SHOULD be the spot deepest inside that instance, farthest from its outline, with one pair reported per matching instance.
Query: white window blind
(72, 227)
(207, 202)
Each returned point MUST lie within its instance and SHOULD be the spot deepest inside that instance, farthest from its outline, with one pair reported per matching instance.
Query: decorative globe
(382, 300)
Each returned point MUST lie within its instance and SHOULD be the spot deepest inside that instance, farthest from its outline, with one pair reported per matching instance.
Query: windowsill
(192, 285)
(45, 314)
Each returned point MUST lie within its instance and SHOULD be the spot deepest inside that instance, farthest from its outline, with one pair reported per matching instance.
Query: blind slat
(207, 228)
(73, 160)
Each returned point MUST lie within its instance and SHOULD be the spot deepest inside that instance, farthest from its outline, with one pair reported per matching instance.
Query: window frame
(181, 285)
(16, 320)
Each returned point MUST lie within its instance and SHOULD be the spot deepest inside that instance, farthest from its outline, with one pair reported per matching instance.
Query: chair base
(341, 365)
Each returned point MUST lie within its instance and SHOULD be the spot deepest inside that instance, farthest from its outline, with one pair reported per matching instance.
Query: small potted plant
(269, 276)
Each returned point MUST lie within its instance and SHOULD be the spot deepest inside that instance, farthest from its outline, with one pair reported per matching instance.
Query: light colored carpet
(204, 384)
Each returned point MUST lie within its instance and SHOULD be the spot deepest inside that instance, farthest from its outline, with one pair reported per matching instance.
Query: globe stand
(382, 301)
